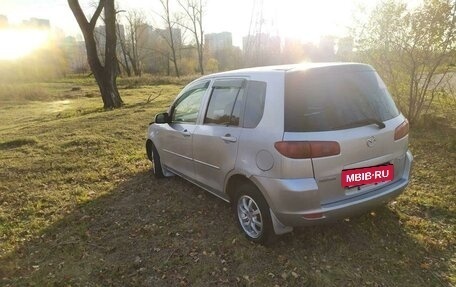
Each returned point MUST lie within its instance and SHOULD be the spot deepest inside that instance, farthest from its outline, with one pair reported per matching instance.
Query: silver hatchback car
(286, 145)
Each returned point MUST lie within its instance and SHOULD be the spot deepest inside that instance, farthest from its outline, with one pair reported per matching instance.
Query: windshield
(336, 97)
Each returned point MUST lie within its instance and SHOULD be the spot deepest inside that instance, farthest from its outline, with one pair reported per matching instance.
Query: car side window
(186, 108)
(226, 103)
(254, 106)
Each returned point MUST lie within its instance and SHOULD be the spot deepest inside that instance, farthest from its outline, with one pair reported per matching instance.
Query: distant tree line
(412, 48)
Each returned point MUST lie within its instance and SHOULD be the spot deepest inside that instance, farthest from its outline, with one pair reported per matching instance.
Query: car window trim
(205, 82)
(238, 82)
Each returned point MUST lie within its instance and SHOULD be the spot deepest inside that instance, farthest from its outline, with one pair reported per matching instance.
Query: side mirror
(161, 118)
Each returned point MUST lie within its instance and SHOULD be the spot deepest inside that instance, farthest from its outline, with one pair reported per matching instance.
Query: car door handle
(229, 138)
(185, 133)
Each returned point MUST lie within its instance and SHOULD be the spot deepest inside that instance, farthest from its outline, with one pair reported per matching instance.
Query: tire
(252, 214)
(157, 169)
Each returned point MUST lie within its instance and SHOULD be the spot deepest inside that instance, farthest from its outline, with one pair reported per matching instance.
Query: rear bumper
(295, 202)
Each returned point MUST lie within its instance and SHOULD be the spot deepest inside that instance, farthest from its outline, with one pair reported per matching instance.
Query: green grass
(79, 207)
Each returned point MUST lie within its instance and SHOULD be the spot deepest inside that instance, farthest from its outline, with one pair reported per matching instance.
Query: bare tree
(136, 30)
(105, 74)
(166, 17)
(123, 49)
(193, 10)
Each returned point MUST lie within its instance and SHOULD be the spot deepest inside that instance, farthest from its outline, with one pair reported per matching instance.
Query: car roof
(286, 69)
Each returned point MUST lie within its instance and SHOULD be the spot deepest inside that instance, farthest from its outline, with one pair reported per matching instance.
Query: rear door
(215, 141)
(349, 105)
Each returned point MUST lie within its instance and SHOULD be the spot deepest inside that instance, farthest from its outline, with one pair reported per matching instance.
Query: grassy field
(79, 207)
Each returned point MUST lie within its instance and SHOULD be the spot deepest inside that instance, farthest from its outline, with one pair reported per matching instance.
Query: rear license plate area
(368, 175)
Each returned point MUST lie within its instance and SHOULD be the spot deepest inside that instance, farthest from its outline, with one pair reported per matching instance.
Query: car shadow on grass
(149, 232)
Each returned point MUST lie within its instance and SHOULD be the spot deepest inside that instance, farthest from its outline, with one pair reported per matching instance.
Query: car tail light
(307, 149)
(402, 130)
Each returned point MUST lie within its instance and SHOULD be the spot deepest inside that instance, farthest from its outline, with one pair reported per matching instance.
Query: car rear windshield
(335, 98)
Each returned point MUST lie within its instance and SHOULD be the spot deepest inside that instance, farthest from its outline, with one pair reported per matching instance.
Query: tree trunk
(200, 26)
(169, 25)
(111, 97)
(171, 39)
(104, 75)
(168, 69)
(134, 58)
(173, 50)
(124, 52)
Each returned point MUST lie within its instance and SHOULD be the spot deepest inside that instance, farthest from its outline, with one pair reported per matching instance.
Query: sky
(305, 20)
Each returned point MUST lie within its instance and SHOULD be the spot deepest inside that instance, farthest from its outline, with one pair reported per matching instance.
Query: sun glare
(303, 20)
(17, 43)
(310, 20)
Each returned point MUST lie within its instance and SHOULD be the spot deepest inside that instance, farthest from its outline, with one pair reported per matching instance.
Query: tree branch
(97, 14)
(78, 14)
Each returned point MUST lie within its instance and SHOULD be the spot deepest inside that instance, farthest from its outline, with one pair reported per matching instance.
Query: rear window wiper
(360, 123)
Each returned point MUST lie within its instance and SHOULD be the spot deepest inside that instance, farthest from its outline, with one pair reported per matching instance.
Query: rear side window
(254, 106)
(226, 103)
(335, 98)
